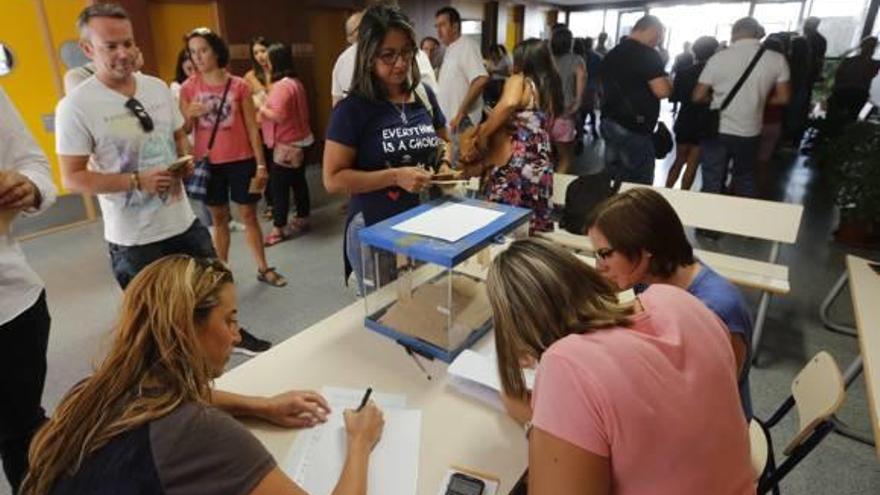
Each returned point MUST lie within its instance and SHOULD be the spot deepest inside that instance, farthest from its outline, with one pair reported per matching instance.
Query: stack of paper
(317, 456)
(449, 222)
(476, 375)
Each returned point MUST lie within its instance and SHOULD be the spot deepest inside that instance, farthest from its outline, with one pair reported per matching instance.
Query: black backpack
(581, 197)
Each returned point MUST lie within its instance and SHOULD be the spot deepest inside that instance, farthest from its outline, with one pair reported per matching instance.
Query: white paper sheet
(449, 222)
(476, 375)
(316, 458)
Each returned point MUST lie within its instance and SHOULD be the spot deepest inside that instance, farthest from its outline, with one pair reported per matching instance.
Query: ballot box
(424, 272)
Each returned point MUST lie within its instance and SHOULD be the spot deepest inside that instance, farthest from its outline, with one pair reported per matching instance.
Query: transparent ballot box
(424, 273)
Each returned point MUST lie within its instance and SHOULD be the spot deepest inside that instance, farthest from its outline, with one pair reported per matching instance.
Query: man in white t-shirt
(343, 69)
(740, 129)
(130, 125)
(462, 75)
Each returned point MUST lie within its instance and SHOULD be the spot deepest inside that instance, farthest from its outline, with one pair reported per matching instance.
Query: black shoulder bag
(661, 138)
(713, 121)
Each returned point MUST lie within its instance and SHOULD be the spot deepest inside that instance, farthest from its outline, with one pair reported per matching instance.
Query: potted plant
(852, 160)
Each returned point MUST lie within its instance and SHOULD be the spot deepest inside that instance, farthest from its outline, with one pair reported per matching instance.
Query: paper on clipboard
(449, 222)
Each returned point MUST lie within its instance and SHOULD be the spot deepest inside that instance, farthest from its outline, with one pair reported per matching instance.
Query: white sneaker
(236, 226)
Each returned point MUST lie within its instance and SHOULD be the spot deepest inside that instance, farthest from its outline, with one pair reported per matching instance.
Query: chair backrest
(760, 447)
(818, 392)
(560, 186)
(768, 220)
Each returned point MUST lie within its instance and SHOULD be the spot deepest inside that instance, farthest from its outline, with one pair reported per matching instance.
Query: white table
(864, 285)
(339, 351)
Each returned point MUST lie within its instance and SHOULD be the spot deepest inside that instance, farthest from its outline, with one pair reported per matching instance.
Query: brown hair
(540, 293)
(641, 219)
(155, 348)
(376, 23)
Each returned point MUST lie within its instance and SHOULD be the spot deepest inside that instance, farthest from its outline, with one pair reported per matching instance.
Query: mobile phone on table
(462, 484)
(179, 165)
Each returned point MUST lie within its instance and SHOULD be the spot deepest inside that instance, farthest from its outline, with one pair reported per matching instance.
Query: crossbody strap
(742, 79)
(217, 114)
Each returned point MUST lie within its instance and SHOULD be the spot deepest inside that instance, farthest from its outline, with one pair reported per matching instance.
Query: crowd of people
(405, 109)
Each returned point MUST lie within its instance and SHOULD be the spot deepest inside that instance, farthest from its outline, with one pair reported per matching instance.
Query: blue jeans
(128, 261)
(387, 268)
(716, 154)
(629, 156)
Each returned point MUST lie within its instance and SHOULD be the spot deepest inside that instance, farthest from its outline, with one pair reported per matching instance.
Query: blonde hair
(155, 363)
(540, 293)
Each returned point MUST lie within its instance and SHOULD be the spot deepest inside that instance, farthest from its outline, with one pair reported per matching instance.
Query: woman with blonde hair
(143, 422)
(630, 398)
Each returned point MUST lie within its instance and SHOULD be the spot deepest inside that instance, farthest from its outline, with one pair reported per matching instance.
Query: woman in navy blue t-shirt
(384, 138)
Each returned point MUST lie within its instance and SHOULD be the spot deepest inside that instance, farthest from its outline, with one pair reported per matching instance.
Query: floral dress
(527, 178)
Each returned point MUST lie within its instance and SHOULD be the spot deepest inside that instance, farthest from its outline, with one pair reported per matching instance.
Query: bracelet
(135, 181)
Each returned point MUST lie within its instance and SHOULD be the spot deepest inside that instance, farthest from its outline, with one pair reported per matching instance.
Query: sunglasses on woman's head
(200, 30)
(137, 108)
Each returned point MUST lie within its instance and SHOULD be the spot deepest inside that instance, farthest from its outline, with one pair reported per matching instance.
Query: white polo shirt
(462, 63)
(744, 116)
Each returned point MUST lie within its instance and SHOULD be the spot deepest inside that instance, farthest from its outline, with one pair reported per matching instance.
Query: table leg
(826, 306)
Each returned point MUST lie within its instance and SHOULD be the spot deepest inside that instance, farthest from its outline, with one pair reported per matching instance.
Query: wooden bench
(765, 220)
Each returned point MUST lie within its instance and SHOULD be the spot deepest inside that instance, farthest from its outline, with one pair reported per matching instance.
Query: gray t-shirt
(567, 65)
(193, 450)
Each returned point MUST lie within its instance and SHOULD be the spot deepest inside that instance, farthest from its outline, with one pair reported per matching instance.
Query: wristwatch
(135, 181)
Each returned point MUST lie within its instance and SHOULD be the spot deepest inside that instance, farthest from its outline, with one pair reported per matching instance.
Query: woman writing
(384, 136)
(629, 398)
(236, 159)
(143, 423)
(512, 147)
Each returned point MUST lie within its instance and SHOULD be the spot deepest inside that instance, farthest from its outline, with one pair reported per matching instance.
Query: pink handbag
(288, 155)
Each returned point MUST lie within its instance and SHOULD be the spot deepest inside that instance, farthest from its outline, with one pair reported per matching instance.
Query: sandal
(274, 238)
(299, 226)
(271, 277)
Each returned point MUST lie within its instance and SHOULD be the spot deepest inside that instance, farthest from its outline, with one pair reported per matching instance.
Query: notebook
(316, 458)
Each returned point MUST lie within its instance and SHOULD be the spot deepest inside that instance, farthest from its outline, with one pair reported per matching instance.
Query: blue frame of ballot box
(439, 252)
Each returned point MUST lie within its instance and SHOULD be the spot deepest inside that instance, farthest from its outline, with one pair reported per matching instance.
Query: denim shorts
(128, 261)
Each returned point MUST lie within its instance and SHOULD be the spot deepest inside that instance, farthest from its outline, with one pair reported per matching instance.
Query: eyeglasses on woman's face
(390, 57)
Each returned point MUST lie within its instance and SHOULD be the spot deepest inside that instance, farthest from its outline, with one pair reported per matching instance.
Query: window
(586, 24)
(686, 23)
(778, 17)
(842, 22)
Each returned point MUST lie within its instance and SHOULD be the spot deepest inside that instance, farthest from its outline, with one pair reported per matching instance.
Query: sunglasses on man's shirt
(137, 108)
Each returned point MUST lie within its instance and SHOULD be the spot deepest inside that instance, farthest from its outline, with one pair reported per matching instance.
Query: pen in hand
(365, 399)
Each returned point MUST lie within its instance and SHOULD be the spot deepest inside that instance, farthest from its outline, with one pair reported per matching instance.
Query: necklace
(401, 110)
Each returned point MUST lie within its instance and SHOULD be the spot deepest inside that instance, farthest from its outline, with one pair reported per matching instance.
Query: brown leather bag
(475, 162)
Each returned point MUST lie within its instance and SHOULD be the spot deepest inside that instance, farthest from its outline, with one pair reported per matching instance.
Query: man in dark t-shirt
(633, 81)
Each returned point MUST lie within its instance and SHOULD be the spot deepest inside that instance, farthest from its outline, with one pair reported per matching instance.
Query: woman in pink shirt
(630, 398)
(285, 122)
(238, 166)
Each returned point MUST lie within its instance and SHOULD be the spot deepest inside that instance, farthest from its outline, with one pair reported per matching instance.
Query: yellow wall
(33, 83)
(169, 23)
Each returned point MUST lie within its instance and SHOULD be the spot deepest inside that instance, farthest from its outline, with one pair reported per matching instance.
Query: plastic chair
(818, 392)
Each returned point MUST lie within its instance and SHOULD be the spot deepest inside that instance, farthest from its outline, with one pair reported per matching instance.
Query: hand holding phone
(178, 166)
